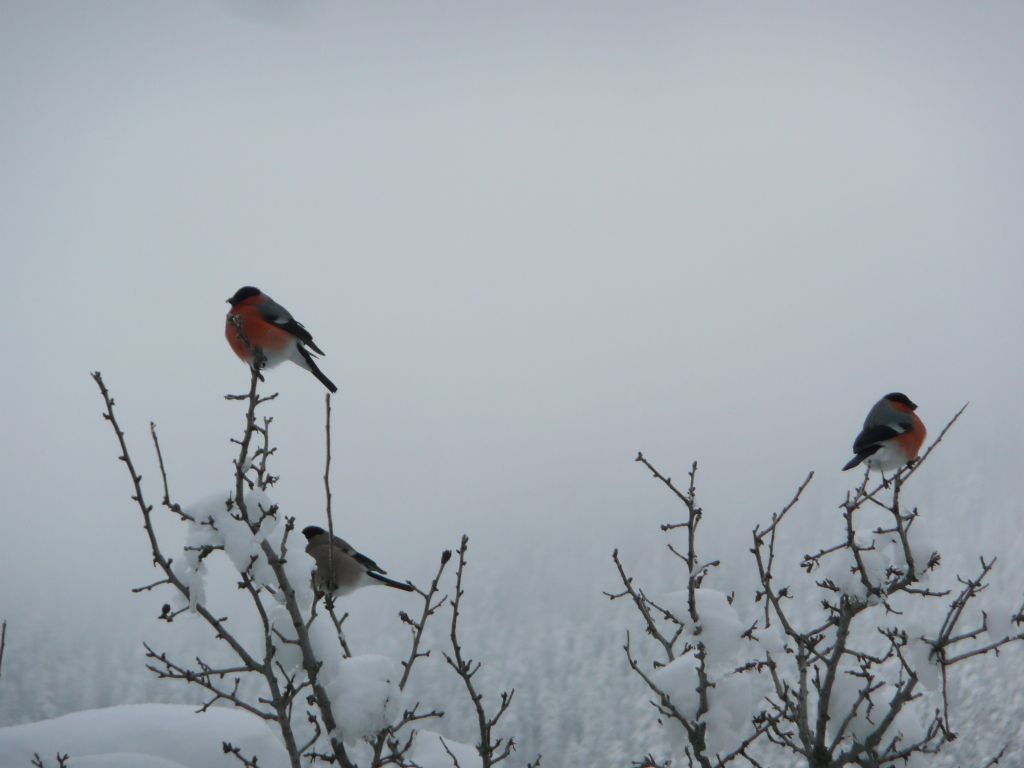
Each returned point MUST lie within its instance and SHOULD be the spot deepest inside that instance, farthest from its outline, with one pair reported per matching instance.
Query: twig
(175, 508)
(388, 736)
(62, 760)
(230, 749)
(491, 750)
(455, 760)
(327, 497)
(279, 698)
(823, 653)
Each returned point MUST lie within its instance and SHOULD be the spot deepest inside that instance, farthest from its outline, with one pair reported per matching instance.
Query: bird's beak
(227, 301)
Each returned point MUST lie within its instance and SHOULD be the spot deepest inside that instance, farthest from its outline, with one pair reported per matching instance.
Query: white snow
(771, 639)
(922, 545)
(678, 680)
(731, 696)
(677, 603)
(364, 695)
(120, 760)
(879, 553)
(1000, 623)
(845, 693)
(289, 654)
(730, 704)
(719, 627)
(216, 526)
(144, 736)
(921, 659)
(428, 752)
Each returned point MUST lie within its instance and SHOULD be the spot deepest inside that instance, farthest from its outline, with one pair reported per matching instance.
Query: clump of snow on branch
(679, 680)
(999, 622)
(860, 723)
(364, 694)
(288, 653)
(718, 627)
(216, 526)
(920, 655)
(730, 696)
(882, 558)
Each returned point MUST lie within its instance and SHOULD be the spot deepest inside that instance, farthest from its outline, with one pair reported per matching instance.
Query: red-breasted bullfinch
(339, 568)
(892, 434)
(272, 330)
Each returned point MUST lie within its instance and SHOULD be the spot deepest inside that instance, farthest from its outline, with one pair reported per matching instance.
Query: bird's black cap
(899, 397)
(243, 293)
(312, 530)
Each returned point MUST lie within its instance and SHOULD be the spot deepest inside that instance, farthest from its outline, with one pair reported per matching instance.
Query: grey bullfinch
(339, 568)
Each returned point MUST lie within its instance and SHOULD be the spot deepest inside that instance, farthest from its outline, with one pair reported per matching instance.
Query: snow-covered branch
(326, 703)
(852, 682)
(390, 737)
(213, 530)
(699, 681)
(849, 693)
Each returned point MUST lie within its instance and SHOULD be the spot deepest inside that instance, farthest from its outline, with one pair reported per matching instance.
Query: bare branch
(175, 508)
(281, 699)
(230, 749)
(643, 606)
(388, 736)
(62, 760)
(455, 760)
(327, 497)
(492, 751)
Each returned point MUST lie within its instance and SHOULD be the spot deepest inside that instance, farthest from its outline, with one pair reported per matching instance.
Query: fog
(532, 239)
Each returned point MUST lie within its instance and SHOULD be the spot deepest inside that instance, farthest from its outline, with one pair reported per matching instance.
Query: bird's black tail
(315, 370)
(406, 586)
(860, 457)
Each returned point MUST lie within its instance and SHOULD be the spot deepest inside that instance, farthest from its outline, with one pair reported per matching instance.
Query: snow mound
(144, 736)
(122, 760)
(428, 752)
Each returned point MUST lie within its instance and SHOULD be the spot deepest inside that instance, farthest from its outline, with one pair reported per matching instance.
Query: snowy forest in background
(532, 241)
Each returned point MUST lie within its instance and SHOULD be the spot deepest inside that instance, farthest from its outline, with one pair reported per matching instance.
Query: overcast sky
(532, 238)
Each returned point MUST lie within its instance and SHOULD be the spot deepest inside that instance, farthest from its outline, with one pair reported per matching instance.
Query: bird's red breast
(910, 442)
(258, 331)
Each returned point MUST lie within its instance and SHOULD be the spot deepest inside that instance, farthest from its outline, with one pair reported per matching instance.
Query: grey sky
(531, 238)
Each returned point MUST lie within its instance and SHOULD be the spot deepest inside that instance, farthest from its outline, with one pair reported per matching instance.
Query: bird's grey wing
(359, 557)
(883, 422)
(274, 313)
(870, 436)
(336, 567)
(884, 413)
